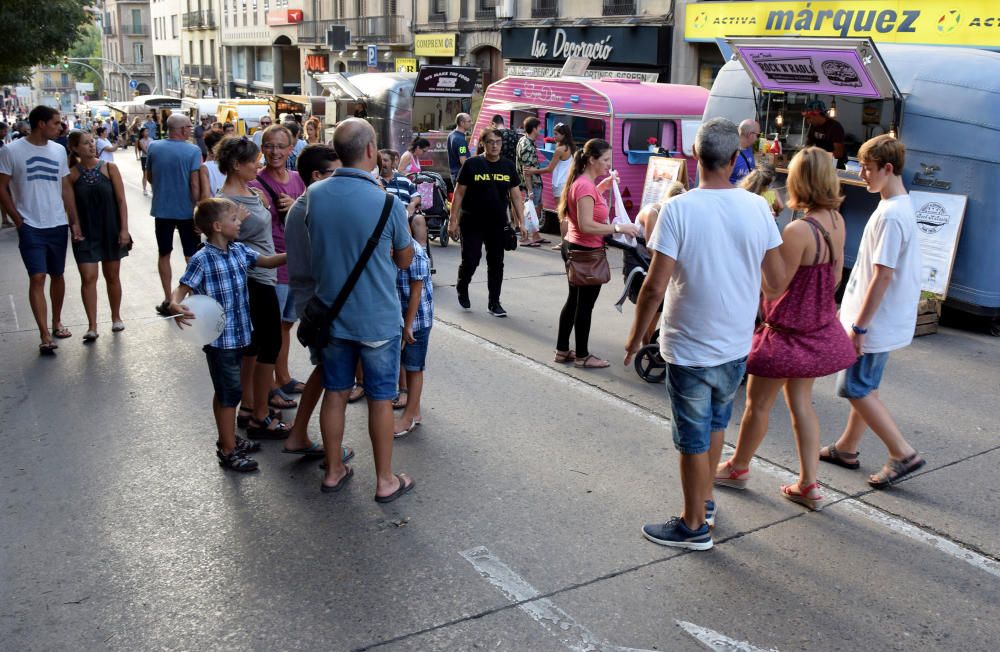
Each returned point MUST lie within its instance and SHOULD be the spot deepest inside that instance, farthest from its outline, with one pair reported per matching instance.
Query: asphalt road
(119, 531)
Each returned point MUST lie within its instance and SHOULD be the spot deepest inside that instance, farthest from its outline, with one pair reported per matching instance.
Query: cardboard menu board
(660, 173)
(939, 224)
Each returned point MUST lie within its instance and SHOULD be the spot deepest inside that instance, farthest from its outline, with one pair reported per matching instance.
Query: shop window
(582, 128)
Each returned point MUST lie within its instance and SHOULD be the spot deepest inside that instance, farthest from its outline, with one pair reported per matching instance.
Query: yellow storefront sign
(406, 65)
(973, 23)
(435, 45)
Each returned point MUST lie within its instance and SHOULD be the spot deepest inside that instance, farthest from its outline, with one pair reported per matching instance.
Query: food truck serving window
(582, 128)
(639, 132)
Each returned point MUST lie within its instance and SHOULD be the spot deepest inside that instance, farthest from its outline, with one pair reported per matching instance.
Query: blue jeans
(224, 367)
(863, 377)
(380, 365)
(286, 303)
(701, 401)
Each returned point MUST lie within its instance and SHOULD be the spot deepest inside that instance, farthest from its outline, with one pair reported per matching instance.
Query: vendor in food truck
(825, 132)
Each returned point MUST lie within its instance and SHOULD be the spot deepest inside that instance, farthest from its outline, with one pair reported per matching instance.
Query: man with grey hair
(342, 214)
(173, 170)
(745, 162)
(458, 145)
(708, 246)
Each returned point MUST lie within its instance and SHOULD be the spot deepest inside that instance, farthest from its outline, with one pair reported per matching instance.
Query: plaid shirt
(419, 270)
(222, 275)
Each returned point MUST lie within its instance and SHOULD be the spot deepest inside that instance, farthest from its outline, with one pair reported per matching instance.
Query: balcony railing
(109, 29)
(131, 29)
(364, 29)
(204, 19)
(618, 8)
(198, 71)
(544, 8)
(486, 9)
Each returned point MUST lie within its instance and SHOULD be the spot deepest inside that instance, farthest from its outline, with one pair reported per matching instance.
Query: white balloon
(208, 323)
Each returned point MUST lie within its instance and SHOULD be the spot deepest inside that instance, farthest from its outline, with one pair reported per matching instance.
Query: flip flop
(532, 244)
(47, 348)
(117, 327)
(396, 404)
(346, 454)
(315, 450)
(403, 488)
(330, 489)
(275, 398)
(90, 336)
(543, 241)
(414, 424)
(293, 386)
(62, 333)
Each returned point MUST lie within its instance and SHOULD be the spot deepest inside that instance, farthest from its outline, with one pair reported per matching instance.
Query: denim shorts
(286, 303)
(224, 367)
(701, 401)
(164, 228)
(43, 250)
(380, 365)
(415, 355)
(863, 377)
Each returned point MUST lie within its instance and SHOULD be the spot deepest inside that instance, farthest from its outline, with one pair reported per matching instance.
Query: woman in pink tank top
(409, 163)
(800, 338)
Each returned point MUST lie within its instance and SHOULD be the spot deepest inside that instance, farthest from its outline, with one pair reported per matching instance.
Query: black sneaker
(497, 310)
(463, 298)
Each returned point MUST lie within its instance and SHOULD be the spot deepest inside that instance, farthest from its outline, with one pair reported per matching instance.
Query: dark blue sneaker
(710, 512)
(675, 534)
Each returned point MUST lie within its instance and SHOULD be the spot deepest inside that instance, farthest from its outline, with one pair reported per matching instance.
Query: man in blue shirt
(458, 146)
(341, 215)
(745, 164)
(173, 171)
(150, 124)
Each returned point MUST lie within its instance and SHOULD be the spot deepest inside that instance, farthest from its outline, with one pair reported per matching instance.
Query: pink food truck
(625, 112)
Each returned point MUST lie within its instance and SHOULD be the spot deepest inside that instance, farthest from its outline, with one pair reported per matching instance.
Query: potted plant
(653, 147)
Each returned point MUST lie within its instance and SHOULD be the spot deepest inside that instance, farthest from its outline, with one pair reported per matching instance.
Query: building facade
(201, 48)
(167, 16)
(54, 86)
(127, 42)
(247, 54)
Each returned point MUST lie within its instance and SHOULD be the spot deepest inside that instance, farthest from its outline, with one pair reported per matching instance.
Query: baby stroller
(649, 364)
(433, 204)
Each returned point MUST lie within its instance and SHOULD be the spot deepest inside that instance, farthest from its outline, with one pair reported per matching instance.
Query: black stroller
(649, 364)
(436, 214)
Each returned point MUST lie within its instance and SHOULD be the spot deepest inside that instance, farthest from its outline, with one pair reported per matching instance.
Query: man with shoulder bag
(350, 218)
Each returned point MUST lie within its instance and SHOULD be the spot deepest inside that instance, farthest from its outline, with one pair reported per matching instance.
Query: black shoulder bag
(274, 199)
(317, 317)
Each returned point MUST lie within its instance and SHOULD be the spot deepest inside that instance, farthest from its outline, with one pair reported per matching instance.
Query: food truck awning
(821, 66)
(339, 86)
(446, 81)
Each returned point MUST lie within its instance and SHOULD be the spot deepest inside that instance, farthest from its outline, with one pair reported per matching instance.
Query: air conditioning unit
(505, 8)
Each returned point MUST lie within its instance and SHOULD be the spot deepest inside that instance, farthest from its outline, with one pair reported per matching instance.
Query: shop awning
(821, 66)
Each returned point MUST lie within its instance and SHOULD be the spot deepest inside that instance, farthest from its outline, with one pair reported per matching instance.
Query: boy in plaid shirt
(219, 270)
(416, 296)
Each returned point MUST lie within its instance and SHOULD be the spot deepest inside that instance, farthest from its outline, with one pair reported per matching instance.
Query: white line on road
(716, 641)
(13, 311)
(560, 624)
(852, 505)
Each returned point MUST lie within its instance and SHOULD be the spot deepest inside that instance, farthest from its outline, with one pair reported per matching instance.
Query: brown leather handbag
(588, 267)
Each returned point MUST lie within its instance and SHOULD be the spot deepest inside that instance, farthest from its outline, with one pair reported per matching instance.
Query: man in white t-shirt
(879, 311)
(35, 191)
(708, 246)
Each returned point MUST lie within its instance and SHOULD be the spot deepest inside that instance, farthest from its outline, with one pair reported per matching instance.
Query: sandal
(237, 461)
(47, 348)
(414, 423)
(329, 489)
(403, 488)
(591, 362)
(263, 430)
(62, 332)
(293, 386)
(277, 399)
(808, 495)
(896, 470)
(90, 336)
(398, 404)
(243, 420)
(565, 356)
(729, 476)
(357, 393)
(117, 326)
(242, 445)
(831, 455)
(346, 455)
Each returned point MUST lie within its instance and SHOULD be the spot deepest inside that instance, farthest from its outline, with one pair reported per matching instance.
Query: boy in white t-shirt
(879, 311)
(708, 247)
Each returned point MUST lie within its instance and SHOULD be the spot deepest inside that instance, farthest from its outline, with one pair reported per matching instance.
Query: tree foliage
(34, 32)
(88, 46)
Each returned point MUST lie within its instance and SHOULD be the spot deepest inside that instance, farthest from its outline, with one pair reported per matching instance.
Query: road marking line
(715, 641)
(13, 311)
(570, 633)
(873, 514)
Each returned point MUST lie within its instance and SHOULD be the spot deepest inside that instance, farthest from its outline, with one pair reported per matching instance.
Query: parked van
(245, 114)
(943, 105)
(625, 112)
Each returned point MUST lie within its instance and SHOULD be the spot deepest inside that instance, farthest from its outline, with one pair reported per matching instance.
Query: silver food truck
(940, 101)
(403, 105)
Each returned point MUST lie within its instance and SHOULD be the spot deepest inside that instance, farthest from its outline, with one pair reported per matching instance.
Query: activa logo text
(734, 20)
(843, 20)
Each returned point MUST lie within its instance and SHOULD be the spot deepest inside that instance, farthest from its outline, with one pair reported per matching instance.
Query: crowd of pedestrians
(340, 227)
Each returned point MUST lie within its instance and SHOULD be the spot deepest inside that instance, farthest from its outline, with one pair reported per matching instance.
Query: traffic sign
(373, 56)
(133, 84)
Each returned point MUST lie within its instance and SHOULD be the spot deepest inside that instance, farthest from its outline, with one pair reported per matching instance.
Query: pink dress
(801, 336)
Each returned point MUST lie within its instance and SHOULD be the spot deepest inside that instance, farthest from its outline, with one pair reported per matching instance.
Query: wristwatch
(616, 229)
(858, 330)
